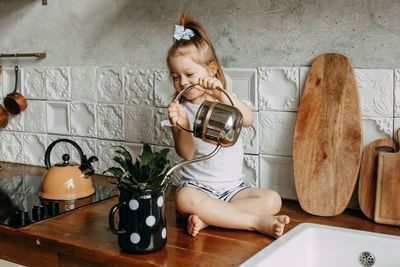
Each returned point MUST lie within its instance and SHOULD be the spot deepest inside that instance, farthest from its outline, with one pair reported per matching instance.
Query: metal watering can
(215, 123)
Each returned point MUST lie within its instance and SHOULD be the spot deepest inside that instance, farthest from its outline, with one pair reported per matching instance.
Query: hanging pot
(3, 117)
(15, 102)
(3, 112)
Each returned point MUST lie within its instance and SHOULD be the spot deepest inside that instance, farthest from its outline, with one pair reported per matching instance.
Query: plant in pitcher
(142, 226)
(145, 174)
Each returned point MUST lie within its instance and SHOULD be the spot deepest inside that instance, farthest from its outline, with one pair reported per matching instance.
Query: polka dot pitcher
(142, 224)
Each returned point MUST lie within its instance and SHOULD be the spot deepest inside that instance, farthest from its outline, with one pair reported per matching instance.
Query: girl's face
(185, 72)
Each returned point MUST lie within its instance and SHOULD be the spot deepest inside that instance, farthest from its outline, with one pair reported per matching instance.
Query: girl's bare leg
(195, 225)
(203, 210)
(258, 201)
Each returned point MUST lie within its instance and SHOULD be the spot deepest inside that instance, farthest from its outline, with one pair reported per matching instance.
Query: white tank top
(221, 172)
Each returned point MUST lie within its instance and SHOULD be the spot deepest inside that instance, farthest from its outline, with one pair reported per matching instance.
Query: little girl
(212, 192)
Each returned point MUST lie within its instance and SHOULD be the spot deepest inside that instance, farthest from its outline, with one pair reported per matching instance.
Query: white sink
(315, 245)
(4, 263)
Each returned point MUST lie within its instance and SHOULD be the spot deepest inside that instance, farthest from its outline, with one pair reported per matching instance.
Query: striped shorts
(225, 196)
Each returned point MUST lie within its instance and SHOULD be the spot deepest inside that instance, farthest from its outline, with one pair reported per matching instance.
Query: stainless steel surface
(215, 122)
(218, 123)
(367, 259)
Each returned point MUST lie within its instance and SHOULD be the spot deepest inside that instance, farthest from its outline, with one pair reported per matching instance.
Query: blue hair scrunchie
(181, 33)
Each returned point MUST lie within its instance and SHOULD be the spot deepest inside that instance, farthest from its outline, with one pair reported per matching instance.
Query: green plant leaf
(164, 153)
(117, 172)
(120, 161)
(146, 156)
(146, 173)
(125, 153)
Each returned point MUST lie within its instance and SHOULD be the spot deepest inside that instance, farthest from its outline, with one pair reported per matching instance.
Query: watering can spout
(215, 123)
(186, 162)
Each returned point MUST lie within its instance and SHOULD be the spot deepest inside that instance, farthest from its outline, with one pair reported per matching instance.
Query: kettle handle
(190, 87)
(85, 163)
(48, 150)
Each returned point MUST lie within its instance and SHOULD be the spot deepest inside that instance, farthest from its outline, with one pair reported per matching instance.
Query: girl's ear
(213, 68)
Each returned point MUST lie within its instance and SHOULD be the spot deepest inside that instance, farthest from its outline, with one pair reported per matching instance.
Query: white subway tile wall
(110, 85)
(15, 123)
(163, 89)
(396, 125)
(278, 89)
(34, 83)
(83, 85)
(276, 173)
(58, 118)
(83, 119)
(103, 107)
(58, 83)
(250, 136)
(251, 170)
(34, 148)
(396, 93)
(242, 83)
(376, 92)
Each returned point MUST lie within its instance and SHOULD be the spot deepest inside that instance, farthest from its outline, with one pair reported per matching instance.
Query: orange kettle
(67, 180)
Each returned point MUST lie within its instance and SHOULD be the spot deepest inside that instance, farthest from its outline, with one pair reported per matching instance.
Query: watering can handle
(190, 87)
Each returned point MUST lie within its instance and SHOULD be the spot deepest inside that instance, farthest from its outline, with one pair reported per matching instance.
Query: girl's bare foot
(195, 225)
(273, 225)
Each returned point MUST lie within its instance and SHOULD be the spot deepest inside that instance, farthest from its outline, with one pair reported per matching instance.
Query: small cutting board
(368, 175)
(327, 144)
(387, 204)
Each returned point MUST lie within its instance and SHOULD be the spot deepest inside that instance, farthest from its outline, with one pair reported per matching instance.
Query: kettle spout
(86, 166)
(88, 172)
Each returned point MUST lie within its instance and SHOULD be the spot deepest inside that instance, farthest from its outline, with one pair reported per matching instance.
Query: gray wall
(245, 33)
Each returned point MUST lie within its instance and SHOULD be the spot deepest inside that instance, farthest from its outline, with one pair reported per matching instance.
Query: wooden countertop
(83, 238)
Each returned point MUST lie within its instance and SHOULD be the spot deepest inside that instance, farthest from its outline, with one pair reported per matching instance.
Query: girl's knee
(273, 202)
(187, 199)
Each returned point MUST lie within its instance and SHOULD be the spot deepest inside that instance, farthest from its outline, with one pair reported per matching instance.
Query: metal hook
(16, 79)
(16, 59)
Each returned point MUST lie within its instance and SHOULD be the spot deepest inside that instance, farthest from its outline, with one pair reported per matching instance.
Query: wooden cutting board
(387, 204)
(327, 145)
(368, 175)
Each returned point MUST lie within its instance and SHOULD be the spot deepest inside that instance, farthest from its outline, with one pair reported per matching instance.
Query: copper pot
(3, 117)
(3, 113)
(15, 102)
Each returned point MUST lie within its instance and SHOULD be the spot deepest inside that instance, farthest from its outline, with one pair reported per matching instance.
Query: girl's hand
(176, 114)
(210, 84)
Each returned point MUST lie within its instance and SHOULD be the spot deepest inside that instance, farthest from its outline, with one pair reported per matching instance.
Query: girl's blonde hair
(198, 47)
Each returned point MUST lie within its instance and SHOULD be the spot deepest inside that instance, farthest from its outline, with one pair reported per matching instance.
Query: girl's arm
(184, 144)
(211, 84)
(239, 104)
